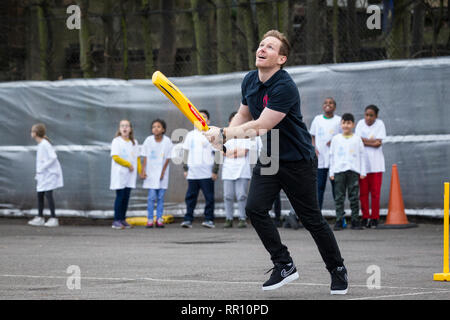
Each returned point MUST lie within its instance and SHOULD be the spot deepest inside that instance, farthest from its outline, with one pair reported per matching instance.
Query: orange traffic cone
(396, 217)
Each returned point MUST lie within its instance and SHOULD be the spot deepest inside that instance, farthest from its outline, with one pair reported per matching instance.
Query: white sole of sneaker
(286, 280)
(339, 291)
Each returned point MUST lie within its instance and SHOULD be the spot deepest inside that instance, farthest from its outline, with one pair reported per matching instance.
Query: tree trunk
(224, 33)
(6, 22)
(43, 28)
(148, 46)
(353, 39)
(398, 42)
(167, 49)
(246, 16)
(202, 43)
(312, 32)
(335, 31)
(283, 17)
(124, 28)
(108, 45)
(417, 29)
(264, 16)
(84, 38)
(437, 24)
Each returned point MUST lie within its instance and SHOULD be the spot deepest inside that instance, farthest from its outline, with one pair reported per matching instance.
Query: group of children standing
(353, 162)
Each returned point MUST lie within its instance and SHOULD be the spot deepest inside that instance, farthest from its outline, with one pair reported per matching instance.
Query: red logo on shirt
(265, 100)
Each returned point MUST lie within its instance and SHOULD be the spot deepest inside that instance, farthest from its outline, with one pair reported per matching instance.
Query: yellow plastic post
(445, 276)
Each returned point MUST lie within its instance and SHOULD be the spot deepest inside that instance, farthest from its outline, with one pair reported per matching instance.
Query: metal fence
(129, 39)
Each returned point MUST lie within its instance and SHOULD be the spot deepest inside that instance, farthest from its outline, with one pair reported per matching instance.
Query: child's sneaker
(117, 225)
(242, 223)
(52, 222)
(208, 224)
(37, 221)
(356, 225)
(149, 223)
(365, 223)
(126, 224)
(228, 223)
(160, 223)
(338, 225)
(186, 224)
(374, 223)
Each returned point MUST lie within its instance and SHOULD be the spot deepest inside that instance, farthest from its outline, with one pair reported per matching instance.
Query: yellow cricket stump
(445, 275)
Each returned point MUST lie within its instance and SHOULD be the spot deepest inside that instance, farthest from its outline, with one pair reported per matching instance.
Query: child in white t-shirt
(200, 170)
(236, 174)
(124, 168)
(48, 176)
(323, 128)
(373, 132)
(347, 166)
(155, 153)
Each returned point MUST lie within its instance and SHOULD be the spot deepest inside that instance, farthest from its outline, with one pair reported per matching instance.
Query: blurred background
(129, 39)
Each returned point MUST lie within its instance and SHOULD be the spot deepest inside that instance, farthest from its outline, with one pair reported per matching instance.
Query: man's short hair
(348, 117)
(285, 47)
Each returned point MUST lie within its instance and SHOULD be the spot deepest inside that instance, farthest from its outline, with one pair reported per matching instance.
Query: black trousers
(299, 181)
(50, 200)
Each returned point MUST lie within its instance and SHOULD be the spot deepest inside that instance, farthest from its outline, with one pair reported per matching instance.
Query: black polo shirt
(280, 93)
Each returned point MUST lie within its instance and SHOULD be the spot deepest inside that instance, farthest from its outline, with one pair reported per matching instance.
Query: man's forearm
(238, 120)
(249, 129)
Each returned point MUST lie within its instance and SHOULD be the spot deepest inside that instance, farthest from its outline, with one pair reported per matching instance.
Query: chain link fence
(129, 39)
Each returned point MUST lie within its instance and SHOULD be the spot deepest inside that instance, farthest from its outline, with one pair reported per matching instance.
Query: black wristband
(224, 138)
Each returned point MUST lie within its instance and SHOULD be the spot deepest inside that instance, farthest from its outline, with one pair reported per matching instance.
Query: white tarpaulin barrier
(82, 116)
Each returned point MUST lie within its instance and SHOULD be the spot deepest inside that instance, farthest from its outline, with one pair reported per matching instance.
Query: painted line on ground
(210, 282)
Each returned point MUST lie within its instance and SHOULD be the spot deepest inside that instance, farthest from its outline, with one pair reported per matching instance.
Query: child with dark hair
(373, 132)
(200, 169)
(347, 167)
(155, 153)
(323, 128)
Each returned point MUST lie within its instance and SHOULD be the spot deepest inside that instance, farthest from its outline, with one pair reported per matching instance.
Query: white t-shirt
(347, 153)
(201, 155)
(237, 168)
(48, 170)
(374, 156)
(323, 129)
(121, 177)
(156, 153)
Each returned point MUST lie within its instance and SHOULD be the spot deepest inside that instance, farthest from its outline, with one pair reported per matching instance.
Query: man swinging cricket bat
(271, 101)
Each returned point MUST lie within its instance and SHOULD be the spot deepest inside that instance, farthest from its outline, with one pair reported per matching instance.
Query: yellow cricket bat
(180, 100)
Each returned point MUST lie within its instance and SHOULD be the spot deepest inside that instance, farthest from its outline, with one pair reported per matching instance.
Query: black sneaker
(338, 225)
(365, 223)
(374, 223)
(281, 275)
(356, 225)
(339, 280)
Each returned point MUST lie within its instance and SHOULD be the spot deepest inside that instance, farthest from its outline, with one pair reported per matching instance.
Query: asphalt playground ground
(209, 264)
